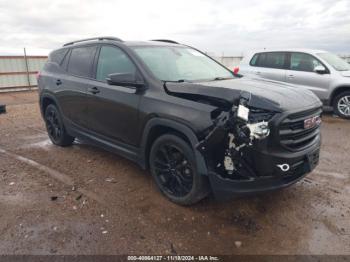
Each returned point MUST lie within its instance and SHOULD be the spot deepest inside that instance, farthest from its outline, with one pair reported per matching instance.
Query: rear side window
(254, 60)
(80, 61)
(303, 62)
(57, 56)
(272, 60)
(113, 60)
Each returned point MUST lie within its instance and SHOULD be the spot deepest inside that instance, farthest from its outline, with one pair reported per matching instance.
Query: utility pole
(27, 68)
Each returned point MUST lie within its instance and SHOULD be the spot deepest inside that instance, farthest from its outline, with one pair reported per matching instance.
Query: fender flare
(50, 96)
(185, 130)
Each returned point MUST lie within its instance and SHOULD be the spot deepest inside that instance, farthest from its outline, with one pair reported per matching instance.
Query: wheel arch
(45, 100)
(337, 91)
(159, 126)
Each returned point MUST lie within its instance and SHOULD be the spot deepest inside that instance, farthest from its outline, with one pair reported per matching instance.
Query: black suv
(197, 126)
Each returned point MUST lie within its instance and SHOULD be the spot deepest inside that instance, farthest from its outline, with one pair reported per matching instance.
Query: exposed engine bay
(239, 124)
(240, 133)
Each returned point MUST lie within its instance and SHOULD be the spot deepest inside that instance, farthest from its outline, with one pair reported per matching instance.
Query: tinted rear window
(57, 56)
(80, 61)
(270, 60)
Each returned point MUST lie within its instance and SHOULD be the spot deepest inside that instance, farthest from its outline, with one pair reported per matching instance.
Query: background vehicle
(172, 109)
(326, 74)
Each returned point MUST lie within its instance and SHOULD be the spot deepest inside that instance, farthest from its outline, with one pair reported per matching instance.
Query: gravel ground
(83, 200)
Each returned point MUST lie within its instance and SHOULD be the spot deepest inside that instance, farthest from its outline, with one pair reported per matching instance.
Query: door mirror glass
(124, 79)
(320, 69)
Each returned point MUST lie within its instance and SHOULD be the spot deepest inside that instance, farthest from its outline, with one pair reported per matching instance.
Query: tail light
(235, 70)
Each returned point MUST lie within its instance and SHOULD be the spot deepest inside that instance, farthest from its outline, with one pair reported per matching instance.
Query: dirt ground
(83, 200)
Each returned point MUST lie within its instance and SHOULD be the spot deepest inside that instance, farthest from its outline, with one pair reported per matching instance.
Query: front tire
(55, 128)
(341, 105)
(174, 169)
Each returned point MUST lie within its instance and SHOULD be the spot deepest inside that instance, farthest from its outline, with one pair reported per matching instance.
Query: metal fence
(346, 58)
(19, 72)
(229, 61)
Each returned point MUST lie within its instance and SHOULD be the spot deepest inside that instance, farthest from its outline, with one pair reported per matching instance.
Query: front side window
(335, 61)
(272, 60)
(80, 61)
(177, 63)
(113, 60)
(303, 62)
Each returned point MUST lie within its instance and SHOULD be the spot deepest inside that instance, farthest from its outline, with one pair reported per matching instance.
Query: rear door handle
(58, 82)
(258, 73)
(290, 76)
(94, 90)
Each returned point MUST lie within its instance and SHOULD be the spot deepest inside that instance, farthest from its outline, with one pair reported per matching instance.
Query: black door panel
(72, 97)
(71, 87)
(113, 112)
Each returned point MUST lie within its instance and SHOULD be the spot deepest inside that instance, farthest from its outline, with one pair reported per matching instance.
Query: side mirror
(125, 79)
(320, 69)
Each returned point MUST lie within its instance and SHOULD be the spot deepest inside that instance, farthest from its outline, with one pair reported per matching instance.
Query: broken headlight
(234, 132)
(249, 124)
(258, 115)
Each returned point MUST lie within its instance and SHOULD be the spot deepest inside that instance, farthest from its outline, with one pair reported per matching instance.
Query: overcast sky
(227, 27)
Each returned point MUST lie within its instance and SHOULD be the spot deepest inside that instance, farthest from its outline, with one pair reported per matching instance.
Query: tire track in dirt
(63, 178)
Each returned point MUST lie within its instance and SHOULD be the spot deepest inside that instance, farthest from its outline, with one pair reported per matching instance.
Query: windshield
(335, 61)
(169, 63)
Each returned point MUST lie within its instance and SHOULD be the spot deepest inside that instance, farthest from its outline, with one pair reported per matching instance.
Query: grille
(292, 133)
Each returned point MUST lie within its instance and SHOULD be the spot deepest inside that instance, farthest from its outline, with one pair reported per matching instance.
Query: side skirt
(130, 152)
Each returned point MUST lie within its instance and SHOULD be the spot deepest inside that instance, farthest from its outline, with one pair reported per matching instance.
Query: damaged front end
(244, 144)
(228, 143)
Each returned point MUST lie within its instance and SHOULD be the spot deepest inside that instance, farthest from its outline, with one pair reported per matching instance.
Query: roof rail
(166, 41)
(94, 38)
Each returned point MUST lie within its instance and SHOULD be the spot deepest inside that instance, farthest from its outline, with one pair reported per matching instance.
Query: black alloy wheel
(55, 127)
(174, 169)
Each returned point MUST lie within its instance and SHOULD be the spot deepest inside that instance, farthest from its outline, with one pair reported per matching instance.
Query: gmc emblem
(312, 122)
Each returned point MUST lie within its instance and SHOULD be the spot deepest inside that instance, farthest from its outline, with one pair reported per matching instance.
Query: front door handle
(58, 82)
(290, 76)
(94, 90)
(258, 73)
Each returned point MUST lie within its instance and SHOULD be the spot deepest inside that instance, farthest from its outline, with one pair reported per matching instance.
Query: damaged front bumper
(246, 156)
(300, 163)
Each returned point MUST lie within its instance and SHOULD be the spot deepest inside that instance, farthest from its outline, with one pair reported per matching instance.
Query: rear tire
(174, 169)
(55, 128)
(341, 105)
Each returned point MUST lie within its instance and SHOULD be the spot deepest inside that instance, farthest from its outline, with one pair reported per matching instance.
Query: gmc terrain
(197, 126)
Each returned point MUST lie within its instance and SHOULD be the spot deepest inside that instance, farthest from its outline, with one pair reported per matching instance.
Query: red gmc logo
(312, 122)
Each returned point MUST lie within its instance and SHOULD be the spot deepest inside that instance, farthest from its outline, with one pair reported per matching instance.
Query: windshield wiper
(178, 81)
(221, 78)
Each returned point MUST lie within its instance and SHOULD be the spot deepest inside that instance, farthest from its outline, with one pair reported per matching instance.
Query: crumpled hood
(265, 94)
